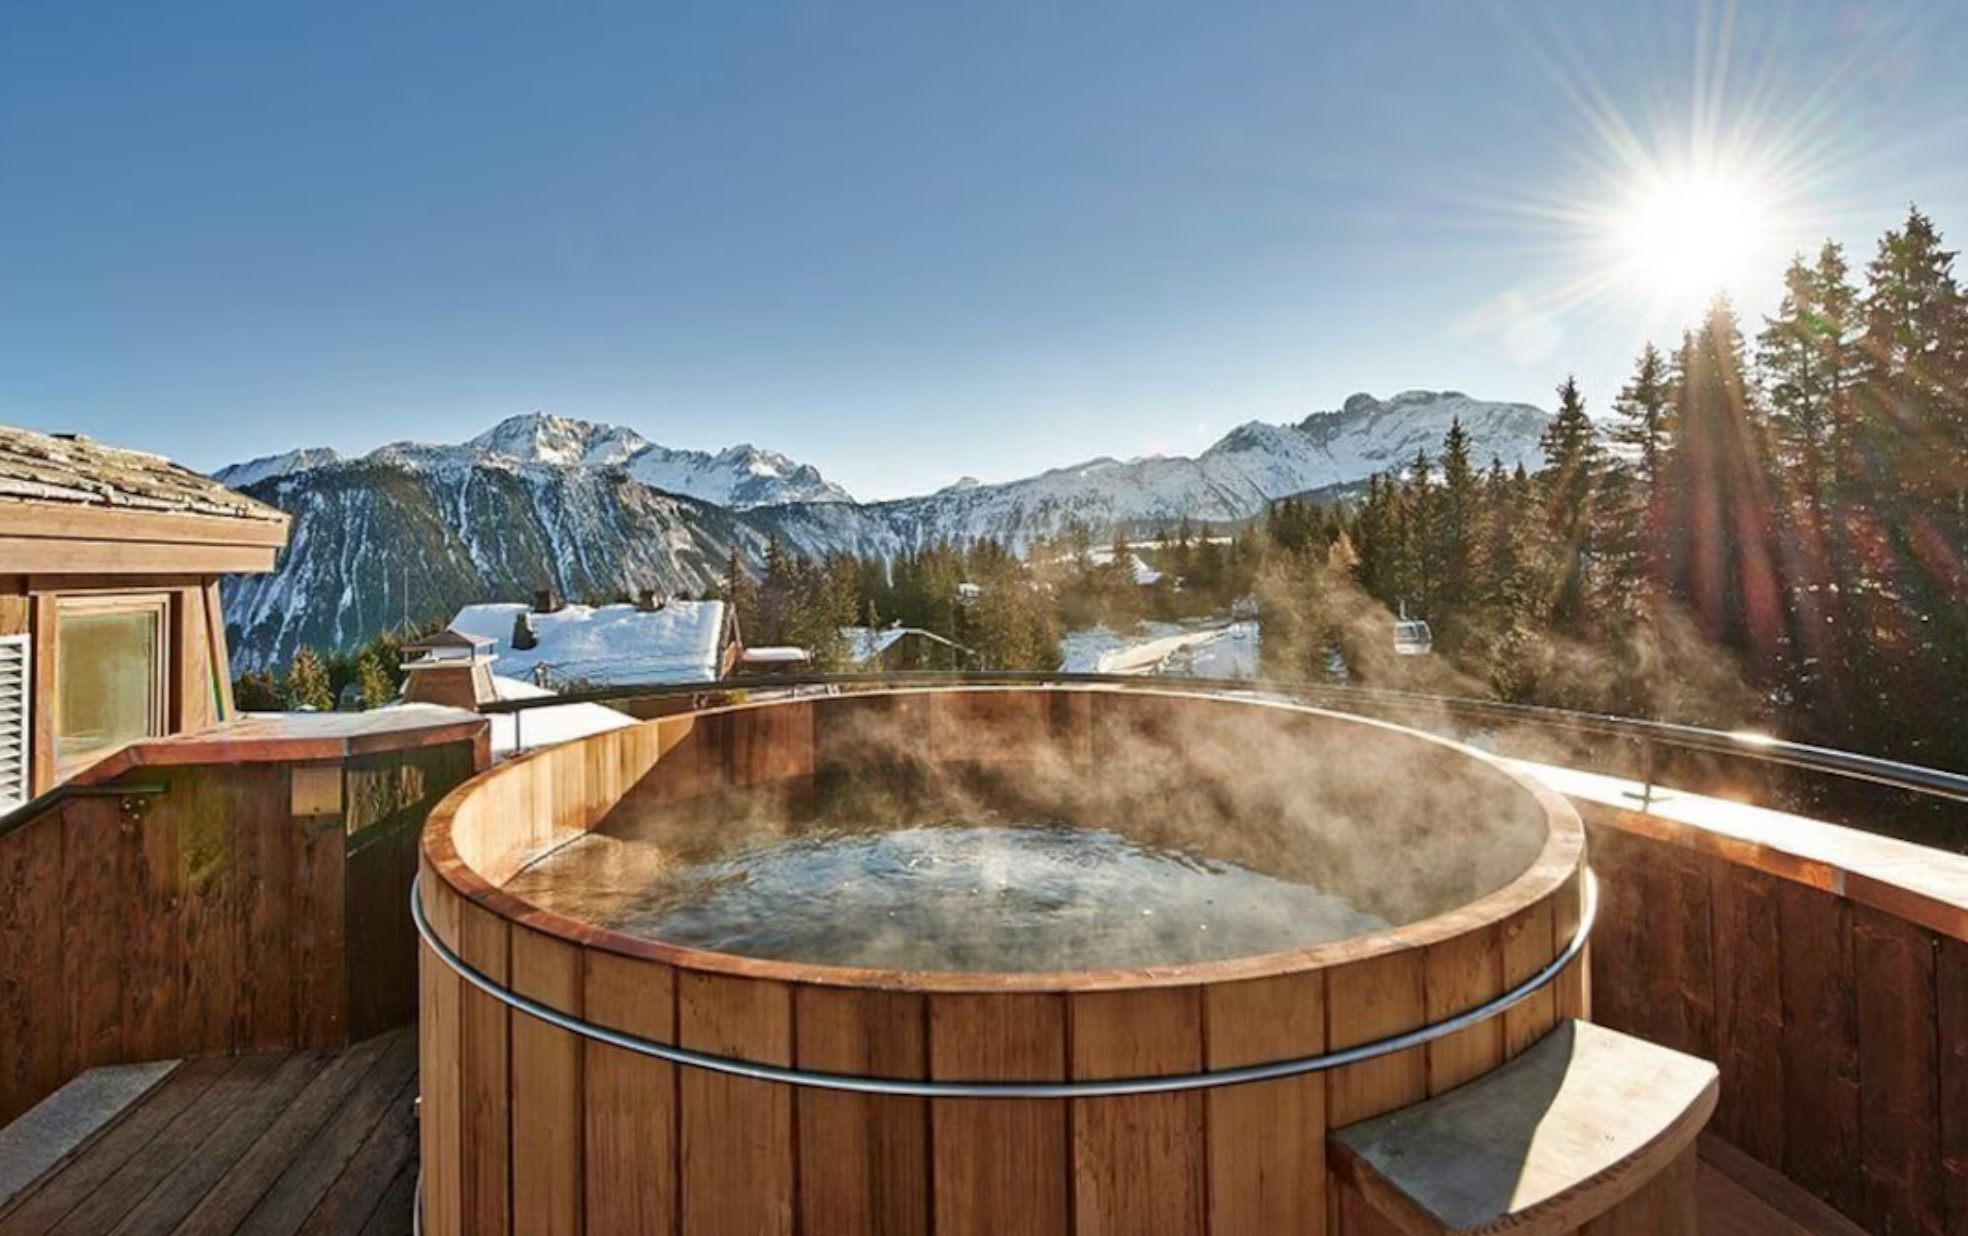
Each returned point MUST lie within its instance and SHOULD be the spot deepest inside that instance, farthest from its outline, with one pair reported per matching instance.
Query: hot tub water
(972, 893)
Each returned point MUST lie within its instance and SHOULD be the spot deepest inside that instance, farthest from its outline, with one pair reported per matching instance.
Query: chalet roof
(450, 637)
(866, 643)
(75, 471)
(607, 645)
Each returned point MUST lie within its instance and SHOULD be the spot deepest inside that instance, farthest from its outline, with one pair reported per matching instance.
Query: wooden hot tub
(528, 1127)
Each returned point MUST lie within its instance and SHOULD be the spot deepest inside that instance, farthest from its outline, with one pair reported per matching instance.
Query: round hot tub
(970, 961)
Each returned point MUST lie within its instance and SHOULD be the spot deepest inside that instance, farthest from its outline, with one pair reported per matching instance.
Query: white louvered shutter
(15, 737)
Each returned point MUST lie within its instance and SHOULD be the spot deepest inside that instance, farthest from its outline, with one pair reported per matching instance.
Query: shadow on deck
(277, 1144)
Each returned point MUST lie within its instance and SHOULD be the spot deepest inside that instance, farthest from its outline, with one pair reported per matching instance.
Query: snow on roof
(608, 645)
(776, 656)
(449, 638)
(544, 727)
(867, 643)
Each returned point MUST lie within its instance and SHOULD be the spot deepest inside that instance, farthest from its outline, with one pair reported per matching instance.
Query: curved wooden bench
(1590, 1131)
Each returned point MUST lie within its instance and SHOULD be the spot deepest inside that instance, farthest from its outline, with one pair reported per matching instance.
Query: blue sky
(905, 241)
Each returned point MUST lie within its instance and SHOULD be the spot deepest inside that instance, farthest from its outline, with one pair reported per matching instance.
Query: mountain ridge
(416, 530)
(739, 476)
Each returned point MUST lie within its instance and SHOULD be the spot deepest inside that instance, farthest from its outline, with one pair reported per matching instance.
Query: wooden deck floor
(324, 1144)
(300, 1144)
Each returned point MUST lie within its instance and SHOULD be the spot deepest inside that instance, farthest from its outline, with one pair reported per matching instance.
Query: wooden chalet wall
(214, 917)
(1835, 1004)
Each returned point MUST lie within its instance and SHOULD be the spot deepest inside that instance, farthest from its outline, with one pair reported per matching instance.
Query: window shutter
(15, 737)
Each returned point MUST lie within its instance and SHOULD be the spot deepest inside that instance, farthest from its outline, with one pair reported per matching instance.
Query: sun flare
(1691, 235)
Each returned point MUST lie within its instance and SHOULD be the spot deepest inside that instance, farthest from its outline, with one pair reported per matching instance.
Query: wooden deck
(324, 1144)
(280, 1144)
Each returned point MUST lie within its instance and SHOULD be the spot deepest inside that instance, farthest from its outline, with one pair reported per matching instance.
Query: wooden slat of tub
(771, 744)
(864, 1160)
(485, 1104)
(546, 1088)
(685, 767)
(1369, 1000)
(439, 1041)
(1530, 941)
(1572, 988)
(631, 1107)
(1138, 1161)
(1267, 1142)
(1001, 1165)
(1464, 971)
(738, 1162)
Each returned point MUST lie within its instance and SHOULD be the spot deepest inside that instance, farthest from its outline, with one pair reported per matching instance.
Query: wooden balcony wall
(237, 911)
(1826, 972)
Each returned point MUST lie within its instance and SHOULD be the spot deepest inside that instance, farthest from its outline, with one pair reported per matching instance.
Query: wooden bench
(1590, 1131)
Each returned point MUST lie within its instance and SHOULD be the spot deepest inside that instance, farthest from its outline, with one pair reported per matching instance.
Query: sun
(1689, 235)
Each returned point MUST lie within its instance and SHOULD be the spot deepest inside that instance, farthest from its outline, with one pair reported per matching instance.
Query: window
(109, 674)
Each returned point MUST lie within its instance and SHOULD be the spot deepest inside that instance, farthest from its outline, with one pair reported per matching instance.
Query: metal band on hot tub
(1092, 1089)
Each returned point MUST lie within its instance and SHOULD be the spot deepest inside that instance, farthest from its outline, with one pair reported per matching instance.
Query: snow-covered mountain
(598, 510)
(253, 471)
(738, 477)
(376, 542)
(1251, 466)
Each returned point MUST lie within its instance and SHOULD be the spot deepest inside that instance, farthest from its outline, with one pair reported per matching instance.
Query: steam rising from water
(1076, 809)
(967, 894)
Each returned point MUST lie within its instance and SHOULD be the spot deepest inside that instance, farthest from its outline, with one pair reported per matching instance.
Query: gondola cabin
(1412, 638)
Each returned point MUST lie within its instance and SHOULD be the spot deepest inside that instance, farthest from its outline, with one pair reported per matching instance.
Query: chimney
(545, 602)
(648, 600)
(449, 669)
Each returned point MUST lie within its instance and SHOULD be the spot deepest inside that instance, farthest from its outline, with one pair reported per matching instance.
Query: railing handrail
(1895, 774)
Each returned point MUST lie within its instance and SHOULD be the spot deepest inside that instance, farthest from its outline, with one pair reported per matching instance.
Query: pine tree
(1909, 631)
(373, 681)
(740, 592)
(1913, 438)
(1573, 462)
(1805, 356)
(1723, 550)
(256, 692)
(1633, 513)
(307, 683)
(1456, 527)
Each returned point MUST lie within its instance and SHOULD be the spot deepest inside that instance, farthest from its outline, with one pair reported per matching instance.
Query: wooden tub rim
(1559, 863)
